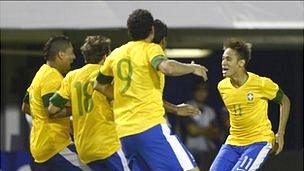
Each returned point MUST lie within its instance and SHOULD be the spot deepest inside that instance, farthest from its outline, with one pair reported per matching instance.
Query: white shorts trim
(73, 158)
(178, 150)
(260, 157)
(123, 160)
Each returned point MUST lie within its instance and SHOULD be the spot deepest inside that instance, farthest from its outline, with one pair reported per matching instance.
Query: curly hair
(95, 47)
(241, 47)
(140, 24)
(54, 45)
(160, 31)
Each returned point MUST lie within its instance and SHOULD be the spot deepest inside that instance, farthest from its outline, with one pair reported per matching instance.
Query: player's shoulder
(53, 73)
(117, 52)
(71, 75)
(223, 83)
(154, 46)
(254, 76)
(257, 79)
(47, 73)
(73, 72)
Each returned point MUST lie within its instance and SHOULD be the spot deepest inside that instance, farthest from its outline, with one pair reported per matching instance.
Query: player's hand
(187, 110)
(199, 70)
(279, 142)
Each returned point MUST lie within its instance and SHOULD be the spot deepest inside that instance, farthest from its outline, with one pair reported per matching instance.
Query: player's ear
(102, 58)
(152, 33)
(152, 30)
(242, 62)
(60, 54)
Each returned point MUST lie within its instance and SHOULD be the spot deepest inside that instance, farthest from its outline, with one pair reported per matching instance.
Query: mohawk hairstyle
(54, 45)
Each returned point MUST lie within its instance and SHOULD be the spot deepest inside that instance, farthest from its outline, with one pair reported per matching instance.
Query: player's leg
(115, 162)
(226, 158)
(253, 157)
(162, 150)
(68, 160)
(118, 162)
(41, 166)
(129, 145)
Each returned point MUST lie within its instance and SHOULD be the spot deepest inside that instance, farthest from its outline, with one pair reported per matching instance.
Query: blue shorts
(66, 160)
(157, 149)
(241, 158)
(116, 162)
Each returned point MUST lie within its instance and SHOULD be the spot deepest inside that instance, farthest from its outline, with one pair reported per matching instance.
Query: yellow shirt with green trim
(48, 136)
(95, 134)
(248, 106)
(138, 86)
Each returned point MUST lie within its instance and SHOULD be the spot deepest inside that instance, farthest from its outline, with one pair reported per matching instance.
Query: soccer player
(138, 69)
(160, 37)
(95, 133)
(246, 97)
(50, 141)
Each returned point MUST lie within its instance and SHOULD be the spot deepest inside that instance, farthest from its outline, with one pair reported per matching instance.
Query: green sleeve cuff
(103, 79)
(58, 100)
(46, 99)
(157, 60)
(279, 96)
(26, 98)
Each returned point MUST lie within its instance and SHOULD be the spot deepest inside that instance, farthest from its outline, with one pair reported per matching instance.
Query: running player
(246, 97)
(95, 133)
(50, 142)
(138, 69)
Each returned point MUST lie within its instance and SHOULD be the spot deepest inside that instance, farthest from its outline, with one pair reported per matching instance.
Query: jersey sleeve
(155, 55)
(269, 88)
(61, 97)
(105, 75)
(49, 87)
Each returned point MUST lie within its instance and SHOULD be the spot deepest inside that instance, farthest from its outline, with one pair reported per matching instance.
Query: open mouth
(224, 70)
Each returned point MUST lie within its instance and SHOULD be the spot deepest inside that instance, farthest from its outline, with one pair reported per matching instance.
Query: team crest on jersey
(250, 96)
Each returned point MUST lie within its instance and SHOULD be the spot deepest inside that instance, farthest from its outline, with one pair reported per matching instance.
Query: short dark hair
(160, 31)
(94, 47)
(241, 47)
(140, 24)
(54, 45)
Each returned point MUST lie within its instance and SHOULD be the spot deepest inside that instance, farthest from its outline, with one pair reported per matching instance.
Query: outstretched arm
(174, 68)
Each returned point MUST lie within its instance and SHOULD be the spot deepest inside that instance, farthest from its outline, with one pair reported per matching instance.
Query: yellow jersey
(248, 106)
(138, 86)
(95, 134)
(48, 136)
